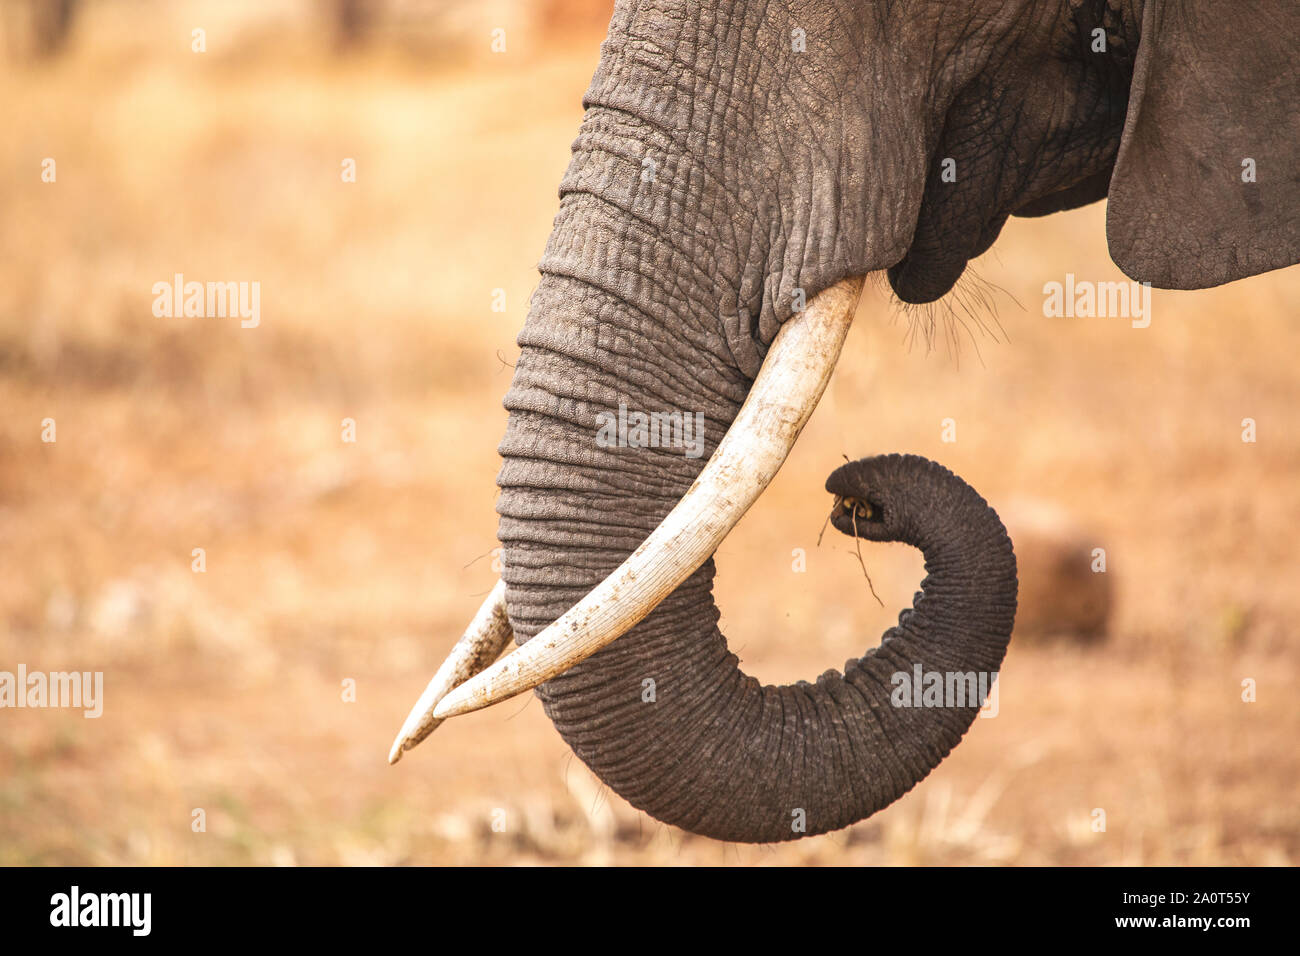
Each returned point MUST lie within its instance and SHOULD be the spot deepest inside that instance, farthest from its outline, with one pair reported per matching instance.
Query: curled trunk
(664, 715)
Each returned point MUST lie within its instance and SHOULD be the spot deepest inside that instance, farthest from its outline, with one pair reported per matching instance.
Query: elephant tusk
(480, 645)
(789, 385)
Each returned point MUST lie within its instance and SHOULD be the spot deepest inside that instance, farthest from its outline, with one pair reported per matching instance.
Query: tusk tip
(460, 701)
(446, 709)
(398, 748)
(418, 726)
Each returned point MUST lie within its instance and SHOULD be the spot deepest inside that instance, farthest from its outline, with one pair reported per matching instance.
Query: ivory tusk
(791, 382)
(480, 645)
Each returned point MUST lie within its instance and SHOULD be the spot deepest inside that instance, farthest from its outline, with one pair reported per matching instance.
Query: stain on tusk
(480, 645)
(794, 375)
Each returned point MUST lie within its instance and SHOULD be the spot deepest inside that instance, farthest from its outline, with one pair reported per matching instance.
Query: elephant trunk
(664, 715)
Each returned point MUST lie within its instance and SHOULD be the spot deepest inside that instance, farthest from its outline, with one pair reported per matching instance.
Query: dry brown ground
(329, 561)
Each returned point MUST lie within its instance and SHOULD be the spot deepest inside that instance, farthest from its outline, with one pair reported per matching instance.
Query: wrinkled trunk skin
(710, 750)
(662, 293)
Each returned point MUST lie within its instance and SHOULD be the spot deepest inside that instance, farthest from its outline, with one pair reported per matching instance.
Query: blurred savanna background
(266, 689)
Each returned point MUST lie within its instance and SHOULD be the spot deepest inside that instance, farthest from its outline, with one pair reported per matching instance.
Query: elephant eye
(860, 508)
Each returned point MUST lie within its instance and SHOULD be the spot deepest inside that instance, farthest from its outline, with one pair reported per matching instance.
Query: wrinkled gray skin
(776, 171)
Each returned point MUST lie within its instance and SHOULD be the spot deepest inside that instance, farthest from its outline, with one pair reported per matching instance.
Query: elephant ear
(1206, 186)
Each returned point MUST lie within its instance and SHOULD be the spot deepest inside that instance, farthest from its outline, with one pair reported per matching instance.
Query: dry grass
(329, 561)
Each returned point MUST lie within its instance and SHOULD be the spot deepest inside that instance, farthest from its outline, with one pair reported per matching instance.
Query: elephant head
(738, 160)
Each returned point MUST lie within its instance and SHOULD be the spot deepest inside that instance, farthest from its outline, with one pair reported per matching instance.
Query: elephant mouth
(936, 259)
(789, 385)
(919, 278)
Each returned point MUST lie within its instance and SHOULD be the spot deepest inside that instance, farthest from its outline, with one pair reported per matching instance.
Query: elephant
(740, 168)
